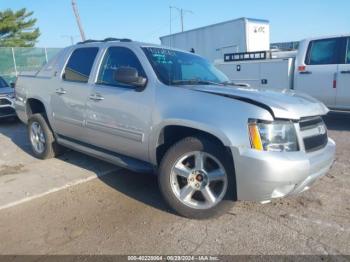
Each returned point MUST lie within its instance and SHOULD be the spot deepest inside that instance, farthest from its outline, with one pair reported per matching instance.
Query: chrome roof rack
(88, 41)
(109, 39)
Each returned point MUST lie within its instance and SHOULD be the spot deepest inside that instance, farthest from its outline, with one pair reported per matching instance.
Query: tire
(186, 194)
(50, 148)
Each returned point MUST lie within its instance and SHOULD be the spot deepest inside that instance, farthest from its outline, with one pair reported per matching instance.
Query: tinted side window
(322, 52)
(80, 63)
(116, 57)
(348, 52)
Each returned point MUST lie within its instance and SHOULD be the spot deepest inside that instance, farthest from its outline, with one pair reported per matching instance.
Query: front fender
(225, 118)
(183, 123)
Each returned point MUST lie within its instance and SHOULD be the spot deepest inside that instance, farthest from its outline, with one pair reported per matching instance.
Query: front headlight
(276, 136)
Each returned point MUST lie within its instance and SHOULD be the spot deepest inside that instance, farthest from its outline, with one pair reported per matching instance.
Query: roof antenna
(77, 17)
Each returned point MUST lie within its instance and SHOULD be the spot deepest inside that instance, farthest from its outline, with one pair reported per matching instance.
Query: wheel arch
(34, 106)
(170, 133)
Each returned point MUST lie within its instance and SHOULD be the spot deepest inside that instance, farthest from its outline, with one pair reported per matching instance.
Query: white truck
(320, 68)
(212, 41)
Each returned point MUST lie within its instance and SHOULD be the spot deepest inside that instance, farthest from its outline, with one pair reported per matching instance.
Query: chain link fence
(14, 60)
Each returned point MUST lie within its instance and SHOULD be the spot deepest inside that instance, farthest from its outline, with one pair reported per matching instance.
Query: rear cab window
(323, 52)
(79, 65)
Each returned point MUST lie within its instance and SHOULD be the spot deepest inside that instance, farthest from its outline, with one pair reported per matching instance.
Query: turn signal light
(255, 139)
(301, 68)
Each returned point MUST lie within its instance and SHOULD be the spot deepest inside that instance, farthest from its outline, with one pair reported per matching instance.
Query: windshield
(3, 83)
(180, 68)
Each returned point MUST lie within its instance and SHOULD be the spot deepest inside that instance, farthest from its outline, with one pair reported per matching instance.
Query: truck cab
(322, 69)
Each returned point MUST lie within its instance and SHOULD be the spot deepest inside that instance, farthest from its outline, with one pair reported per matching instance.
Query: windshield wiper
(228, 83)
(195, 82)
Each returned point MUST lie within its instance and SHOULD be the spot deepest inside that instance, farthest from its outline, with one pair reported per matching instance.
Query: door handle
(345, 72)
(305, 72)
(60, 91)
(96, 97)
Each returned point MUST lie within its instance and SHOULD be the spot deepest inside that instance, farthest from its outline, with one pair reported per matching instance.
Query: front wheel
(197, 179)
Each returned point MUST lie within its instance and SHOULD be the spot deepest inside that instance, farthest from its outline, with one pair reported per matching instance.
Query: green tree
(18, 28)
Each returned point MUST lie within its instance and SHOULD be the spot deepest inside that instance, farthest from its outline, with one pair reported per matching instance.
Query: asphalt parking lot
(79, 205)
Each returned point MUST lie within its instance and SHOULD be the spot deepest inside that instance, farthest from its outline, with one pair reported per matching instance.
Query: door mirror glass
(129, 76)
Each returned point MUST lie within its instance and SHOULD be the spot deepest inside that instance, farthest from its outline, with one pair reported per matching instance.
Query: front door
(68, 101)
(119, 117)
(317, 75)
(343, 88)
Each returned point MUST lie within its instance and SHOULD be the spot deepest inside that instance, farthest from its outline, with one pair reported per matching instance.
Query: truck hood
(6, 90)
(284, 104)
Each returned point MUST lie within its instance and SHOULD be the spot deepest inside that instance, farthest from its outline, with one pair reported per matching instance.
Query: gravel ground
(123, 213)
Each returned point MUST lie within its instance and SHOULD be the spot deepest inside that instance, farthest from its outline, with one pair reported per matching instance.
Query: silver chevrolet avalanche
(153, 109)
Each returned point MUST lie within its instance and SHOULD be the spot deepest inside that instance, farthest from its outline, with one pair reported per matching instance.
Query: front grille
(314, 133)
(315, 142)
(4, 102)
(309, 123)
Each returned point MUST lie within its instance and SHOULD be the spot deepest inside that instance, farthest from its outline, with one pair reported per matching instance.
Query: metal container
(213, 41)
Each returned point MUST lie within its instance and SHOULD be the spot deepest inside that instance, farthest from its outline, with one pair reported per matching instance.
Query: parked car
(7, 95)
(320, 68)
(152, 109)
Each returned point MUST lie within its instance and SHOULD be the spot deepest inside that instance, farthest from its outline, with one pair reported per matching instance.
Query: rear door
(68, 101)
(343, 87)
(316, 74)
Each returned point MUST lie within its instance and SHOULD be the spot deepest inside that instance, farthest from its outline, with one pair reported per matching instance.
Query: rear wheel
(197, 178)
(42, 140)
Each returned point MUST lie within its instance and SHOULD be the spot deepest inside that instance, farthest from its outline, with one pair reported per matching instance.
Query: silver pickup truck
(153, 109)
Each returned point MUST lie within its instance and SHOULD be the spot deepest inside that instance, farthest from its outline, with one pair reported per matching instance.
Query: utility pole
(182, 19)
(182, 14)
(77, 17)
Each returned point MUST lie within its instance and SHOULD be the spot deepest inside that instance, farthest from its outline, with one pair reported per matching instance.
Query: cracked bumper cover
(262, 176)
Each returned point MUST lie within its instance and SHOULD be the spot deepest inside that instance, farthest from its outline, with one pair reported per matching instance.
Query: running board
(106, 155)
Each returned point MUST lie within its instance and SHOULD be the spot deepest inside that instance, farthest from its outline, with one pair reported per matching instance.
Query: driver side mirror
(130, 76)
(12, 84)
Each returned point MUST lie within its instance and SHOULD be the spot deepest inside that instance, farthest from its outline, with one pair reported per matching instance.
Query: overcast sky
(146, 20)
